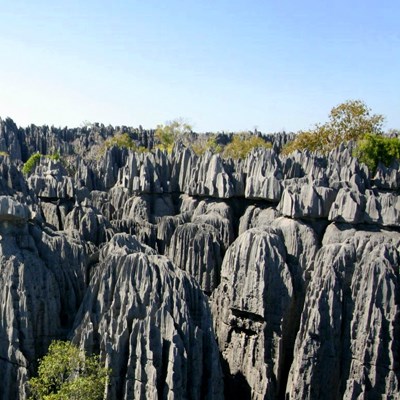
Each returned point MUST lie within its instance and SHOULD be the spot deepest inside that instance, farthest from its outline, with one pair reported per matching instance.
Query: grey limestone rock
(166, 227)
(383, 209)
(12, 210)
(9, 142)
(11, 178)
(89, 223)
(264, 175)
(252, 310)
(387, 178)
(42, 279)
(256, 217)
(218, 215)
(145, 173)
(196, 249)
(210, 177)
(349, 206)
(50, 180)
(301, 244)
(152, 326)
(54, 214)
(306, 201)
(183, 161)
(349, 325)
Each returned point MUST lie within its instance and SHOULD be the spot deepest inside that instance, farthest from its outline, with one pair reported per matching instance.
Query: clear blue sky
(222, 64)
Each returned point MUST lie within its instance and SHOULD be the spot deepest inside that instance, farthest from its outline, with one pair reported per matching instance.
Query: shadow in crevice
(235, 385)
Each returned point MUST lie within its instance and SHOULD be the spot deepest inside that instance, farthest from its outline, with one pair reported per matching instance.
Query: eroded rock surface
(152, 325)
(253, 311)
(349, 325)
(298, 255)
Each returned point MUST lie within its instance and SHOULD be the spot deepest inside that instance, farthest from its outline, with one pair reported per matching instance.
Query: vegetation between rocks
(374, 148)
(350, 120)
(122, 141)
(34, 160)
(66, 372)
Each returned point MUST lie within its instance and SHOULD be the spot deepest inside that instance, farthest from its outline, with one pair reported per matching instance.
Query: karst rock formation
(199, 277)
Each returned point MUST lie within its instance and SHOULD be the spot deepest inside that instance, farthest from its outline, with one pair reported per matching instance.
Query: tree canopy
(172, 131)
(66, 372)
(347, 121)
(373, 149)
(242, 144)
(122, 141)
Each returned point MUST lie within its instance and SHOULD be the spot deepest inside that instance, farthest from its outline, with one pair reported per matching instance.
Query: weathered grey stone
(264, 175)
(218, 215)
(306, 201)
(11, 178)
(50, 180)
(349, 321)
(123, 243)
(41, 287)
(152, 325)
(89, 223)
(349, 206)
(145, 173)
(252, 310)
(255, 217)
(209, 177)
(387, 178)
(166, 227)
(384, 210)
(301, 244)
(12, 210)
(52, 216)
(197, 250)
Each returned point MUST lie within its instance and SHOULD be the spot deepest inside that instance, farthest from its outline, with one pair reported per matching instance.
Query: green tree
(122, 141)
(375, 148)
(166, 135)
(66, 372)
(31, 163)
(204, 143)
(347, 121)
(241, 145)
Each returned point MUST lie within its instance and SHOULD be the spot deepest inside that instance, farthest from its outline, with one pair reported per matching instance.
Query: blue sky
(221, 65)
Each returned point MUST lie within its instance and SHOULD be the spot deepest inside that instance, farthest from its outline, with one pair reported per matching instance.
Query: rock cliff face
(152, 325)
(200, 277)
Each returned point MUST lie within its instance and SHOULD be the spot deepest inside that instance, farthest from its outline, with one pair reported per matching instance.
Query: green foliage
(169, 133)
(31, 163)
(348, 121)
(55, 156)
(122, 141)
(34, 160)
(4, 154)
(66, 372)
(201, 145)
(242, 144)
(375, 148)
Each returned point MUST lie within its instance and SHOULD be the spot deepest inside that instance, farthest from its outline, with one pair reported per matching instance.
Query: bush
(34, 160)
(242, 144)
(374, 148)
(66, 372)
(348, 121)
(31, 163)
(166, 135)
(122, 141)
(202, 144)
(55, 156)
(4, 154)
